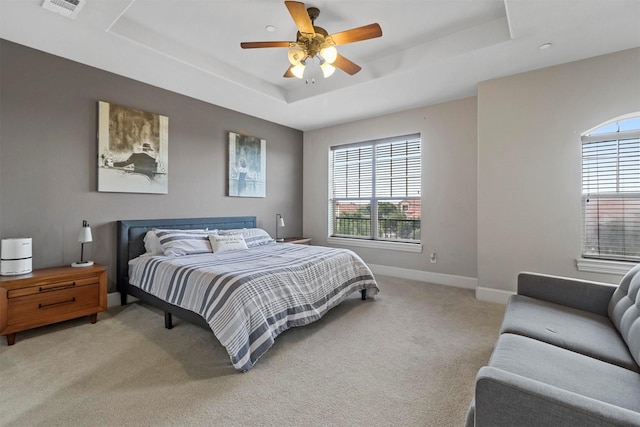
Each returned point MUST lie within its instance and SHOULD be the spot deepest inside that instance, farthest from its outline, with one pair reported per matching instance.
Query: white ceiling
(431, 51)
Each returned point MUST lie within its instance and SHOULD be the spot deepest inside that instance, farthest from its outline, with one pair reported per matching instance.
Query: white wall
(448, 183)
(529, 163)
(515, 151)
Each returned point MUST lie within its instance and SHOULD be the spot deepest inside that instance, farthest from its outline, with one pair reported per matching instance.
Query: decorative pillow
(252, 236)
(228, 242)
(183, 242)
(152, 244)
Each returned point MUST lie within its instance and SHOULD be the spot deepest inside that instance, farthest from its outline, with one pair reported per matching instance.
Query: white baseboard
(493, 295)
(426, 276)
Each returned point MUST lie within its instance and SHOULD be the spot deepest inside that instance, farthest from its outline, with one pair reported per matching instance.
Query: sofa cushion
(567, 370)
(576, 330)
(624, 310)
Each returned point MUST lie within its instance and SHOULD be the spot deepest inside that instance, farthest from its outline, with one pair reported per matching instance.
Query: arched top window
(627, 123)
(611, 190)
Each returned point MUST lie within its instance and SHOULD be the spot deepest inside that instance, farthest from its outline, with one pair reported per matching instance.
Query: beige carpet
(407, 358)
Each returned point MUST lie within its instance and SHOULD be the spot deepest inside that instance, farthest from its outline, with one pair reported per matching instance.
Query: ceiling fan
(314, 42)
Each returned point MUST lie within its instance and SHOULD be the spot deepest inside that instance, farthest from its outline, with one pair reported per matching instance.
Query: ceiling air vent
(68, 8)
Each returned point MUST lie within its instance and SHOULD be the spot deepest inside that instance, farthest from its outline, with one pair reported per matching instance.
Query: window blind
(375, 189)
(611, 197)
(398, 171)
(352, 172)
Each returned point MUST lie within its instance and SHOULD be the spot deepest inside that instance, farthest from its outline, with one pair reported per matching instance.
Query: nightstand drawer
(52, 303)
(50, 287)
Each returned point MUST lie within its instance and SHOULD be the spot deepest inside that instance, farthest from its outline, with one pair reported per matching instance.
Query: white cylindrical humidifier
(15, 256)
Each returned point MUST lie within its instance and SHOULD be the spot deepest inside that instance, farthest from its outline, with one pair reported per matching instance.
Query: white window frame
(599, 263)
(372, 241)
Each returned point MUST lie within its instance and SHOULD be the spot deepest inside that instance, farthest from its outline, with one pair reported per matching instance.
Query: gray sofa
(567, 355)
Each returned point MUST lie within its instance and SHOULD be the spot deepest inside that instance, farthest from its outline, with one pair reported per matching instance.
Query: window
(374, 190)
(611, 191)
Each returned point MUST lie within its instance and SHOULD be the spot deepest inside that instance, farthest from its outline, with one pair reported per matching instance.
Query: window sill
(619, 268)
(376, 244)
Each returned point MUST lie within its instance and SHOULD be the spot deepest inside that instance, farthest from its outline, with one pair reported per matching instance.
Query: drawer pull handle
(57, 288)
(57, 303)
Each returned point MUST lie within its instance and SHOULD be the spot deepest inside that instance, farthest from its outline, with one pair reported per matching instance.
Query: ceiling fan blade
(366, 32)
(345, 65)
(254, 45)
(300, 16)
(289, 73)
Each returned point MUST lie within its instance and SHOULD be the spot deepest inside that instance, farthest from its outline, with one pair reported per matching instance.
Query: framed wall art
(132, 150)
(247, 166)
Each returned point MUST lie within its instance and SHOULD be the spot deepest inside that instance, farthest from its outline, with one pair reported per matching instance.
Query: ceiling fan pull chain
(311, 71)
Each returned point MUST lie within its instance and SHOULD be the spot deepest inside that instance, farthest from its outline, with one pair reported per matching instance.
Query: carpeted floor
(407, 358)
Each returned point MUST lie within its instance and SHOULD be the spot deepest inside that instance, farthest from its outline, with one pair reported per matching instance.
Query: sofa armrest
(570, 292)
(506, 399)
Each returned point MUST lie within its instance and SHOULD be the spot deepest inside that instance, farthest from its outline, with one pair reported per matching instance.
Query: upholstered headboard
(130, 241)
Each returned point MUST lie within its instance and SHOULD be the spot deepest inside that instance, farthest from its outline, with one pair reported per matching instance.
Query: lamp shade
(330, 54)
(279, 223)
(296, 55)
(85, 233)
(298, 70)
(327, 69)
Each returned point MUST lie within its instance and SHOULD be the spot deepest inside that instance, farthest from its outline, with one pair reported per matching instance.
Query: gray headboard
(130, 242)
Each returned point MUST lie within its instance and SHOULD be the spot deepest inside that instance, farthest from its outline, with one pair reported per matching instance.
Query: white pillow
(183, 242)
(227, 242)
(152, 244)
(252, 236)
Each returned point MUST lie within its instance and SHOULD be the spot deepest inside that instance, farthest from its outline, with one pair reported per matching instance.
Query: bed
(246, 296)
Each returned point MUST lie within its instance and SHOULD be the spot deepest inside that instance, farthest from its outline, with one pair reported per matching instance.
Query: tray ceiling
(431, 50)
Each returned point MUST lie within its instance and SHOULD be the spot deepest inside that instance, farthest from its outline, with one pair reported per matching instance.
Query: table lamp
(84, 237)
(279, 223)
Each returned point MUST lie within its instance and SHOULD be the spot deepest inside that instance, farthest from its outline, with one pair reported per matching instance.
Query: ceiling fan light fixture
(298, 70)
(327, 69)
(329, 54)
(313, 42)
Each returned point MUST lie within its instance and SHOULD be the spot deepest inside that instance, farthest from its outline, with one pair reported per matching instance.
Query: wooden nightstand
(50, 295)
(297, 240)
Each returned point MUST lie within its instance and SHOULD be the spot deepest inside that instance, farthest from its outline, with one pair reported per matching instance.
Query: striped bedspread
(250, 296)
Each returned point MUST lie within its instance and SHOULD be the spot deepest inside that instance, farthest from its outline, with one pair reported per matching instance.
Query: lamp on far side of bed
(279, 223)
(84, 237)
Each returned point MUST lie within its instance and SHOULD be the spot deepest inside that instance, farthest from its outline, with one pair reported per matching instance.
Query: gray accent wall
(49, 148)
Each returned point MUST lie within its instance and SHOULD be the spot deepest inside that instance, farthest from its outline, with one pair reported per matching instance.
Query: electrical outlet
(434, 257)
